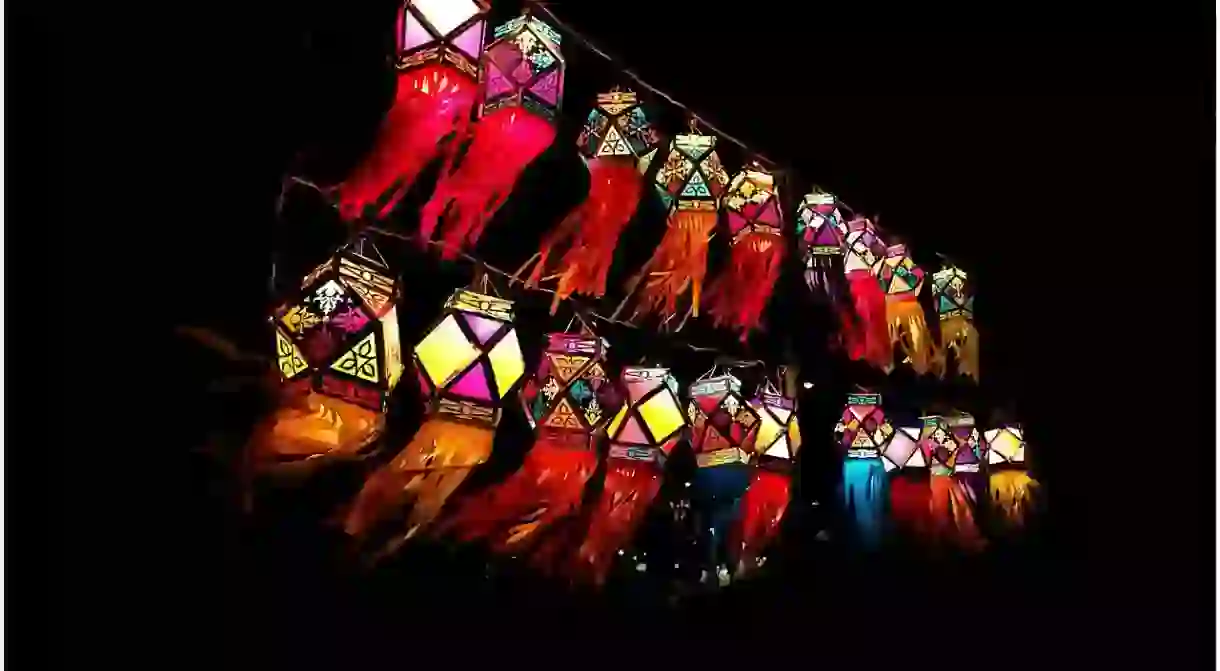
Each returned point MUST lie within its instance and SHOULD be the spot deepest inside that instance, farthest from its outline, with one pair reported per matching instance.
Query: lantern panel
(446, 15)
(507, 362)
(445, 352)
(474, 384)
(967, 453)
(863, 428)
(752, 202)
(692, 174)
(360, 361)
(662, 415)
(952, 293)
(439, 30)
(524, 66)
(863, 247)
(902, 450)
(390, 340)
(897, 273)
(288, 356)
(1005, 445)
(938, 444)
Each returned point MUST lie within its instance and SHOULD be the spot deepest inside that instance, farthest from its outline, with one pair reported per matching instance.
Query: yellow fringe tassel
(425, 474)
(1012, 493)
(957, 333)
(909, 332)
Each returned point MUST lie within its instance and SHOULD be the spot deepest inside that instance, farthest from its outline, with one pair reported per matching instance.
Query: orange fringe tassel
(953, 513)
(679, 263)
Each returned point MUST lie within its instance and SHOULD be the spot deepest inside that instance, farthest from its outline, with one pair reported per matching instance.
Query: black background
(1062, 153)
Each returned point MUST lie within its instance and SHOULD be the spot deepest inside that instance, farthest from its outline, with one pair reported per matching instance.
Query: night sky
(1062, 156)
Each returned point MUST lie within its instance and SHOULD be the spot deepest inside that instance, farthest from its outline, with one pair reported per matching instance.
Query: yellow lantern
(650, 421)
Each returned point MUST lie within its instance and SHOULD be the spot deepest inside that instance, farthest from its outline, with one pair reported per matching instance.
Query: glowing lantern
(650, 422)
(1010, 485)
(820, 231)
(570, 391)
(723, 423)
(902, 280)
(340, 335)
(439, 45)
(863, 428)
(862, 250)
(951, 445)
(522, 88)
(466, 366)
(953, 294)
(690, 182)
(757, 247)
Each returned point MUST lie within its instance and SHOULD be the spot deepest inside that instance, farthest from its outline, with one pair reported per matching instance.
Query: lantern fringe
(739, 296)
(953, 500)
(310, 426)
(908, 333)
(762, 509)
(869, 302)
(911, 504)
(591, 231)
(467, 196)
(510, 515)
(719, 490)
(957, 333)
(424, 474)
(1012, 493)
(431, 111)
(629, 489)
(864, 496)
(679, 263)
(824, 276)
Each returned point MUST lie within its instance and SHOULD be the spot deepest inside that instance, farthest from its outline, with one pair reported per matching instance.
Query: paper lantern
(953, 294)
(618, 144)
(1005, 446)
(570, 393)
(938, 444)
(778, 438)
(442, 31)
(819, 224)
(522, 88)
(871, 339)
(902, 280)
(863, 428)
(470, 360)
(757, 247)
(524, 67)
(723, 424)
(439, 45)
(339, 335)
(951, 446)
(903, 451)
(650, 421)
(466, 365)
(690, 183)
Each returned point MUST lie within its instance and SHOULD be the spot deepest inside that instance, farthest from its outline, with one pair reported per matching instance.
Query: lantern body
(524, 68)
(1005, 446)
(692, 177)
(903, 450)
(442, 31)
(862, 247)
(570, 394)
(650, 422)
(778, 438)
(471, 359)
(339, 336)
(898, 274)
(863, 429)
(618, 128)
(752, 203)
(819, 225)
(723, 425)
(968, 455)
(952, 293)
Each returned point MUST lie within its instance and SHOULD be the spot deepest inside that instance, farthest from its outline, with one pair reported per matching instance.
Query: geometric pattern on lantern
(288, 356)
(863, 429)
(862, 247)
(938, 444)
(692, 173)
(897, 273)
(523, 66)
(651, 416)
(618, 127)
(1005, 445)
(720, 417)
(952, 293)
(361, 360)
(778, 435)
(445, 352)
(819, 225)
(752, 202)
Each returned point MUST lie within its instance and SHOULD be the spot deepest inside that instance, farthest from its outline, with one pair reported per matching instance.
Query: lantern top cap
(533, 24)
(896, 249)
(466, 300)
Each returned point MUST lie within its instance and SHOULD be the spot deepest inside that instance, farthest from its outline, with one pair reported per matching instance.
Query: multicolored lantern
(863, 431)
(618, 144)
(762, 508)
(439, 44)
(339, 355)
(739, 295)
(723, 423)
(1012, 489)
(820, 231)
(642, 434)
(902, 280)
(950, 445)
(954, 297)
(567, 400)
(690, 183)
(522, 88)
(466, 365)
(871, 340)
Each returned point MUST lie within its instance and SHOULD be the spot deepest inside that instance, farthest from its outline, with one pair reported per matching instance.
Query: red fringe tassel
(592, 230)
(738, 297)
(432, 108)
(953, 522)
(629, 490)
(911, 505)
(869, 301)
(547, 488)
(505, 142)
(762, 508)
